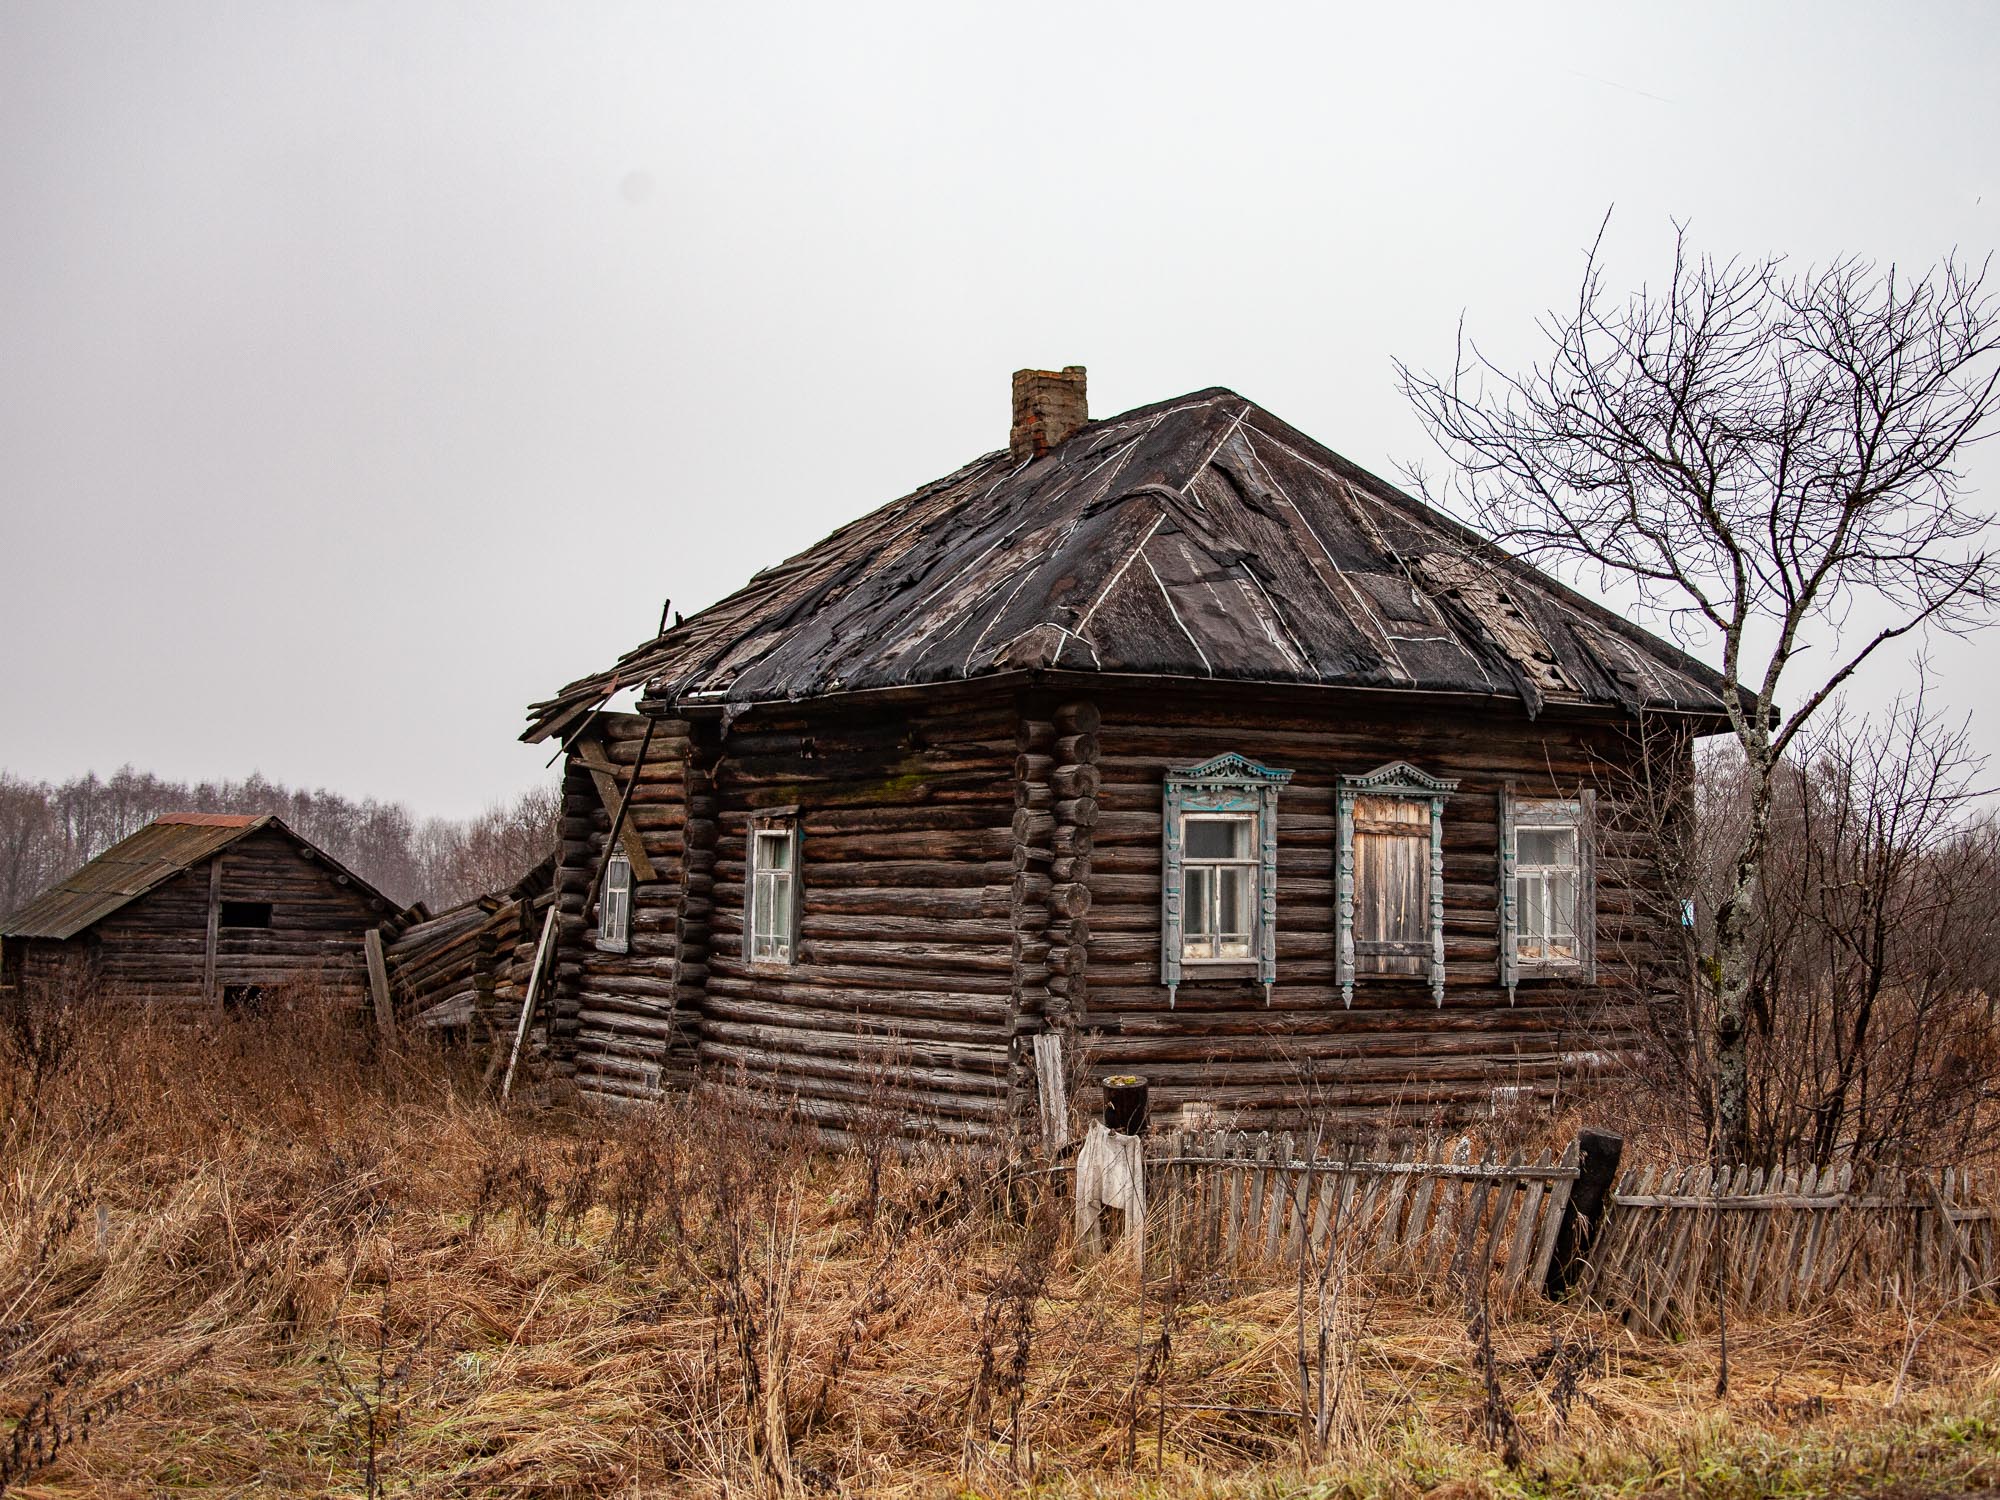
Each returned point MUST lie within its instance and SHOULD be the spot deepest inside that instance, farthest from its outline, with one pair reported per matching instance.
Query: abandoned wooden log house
(200, 908)
(1171, 743)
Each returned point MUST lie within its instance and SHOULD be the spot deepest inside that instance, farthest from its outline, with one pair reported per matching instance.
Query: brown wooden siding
(901, 992)
(614, 1020)
(153, 948)
(1305, 1055)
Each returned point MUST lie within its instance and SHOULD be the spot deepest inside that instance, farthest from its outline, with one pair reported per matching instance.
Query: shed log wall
(1395, 1052)
(155, 946)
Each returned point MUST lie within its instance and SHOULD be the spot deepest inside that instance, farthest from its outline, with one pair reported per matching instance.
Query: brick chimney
(1049, 405)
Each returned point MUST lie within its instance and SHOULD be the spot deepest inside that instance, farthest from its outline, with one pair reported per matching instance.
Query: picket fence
(1669, 1241)
(1676, 1240)
(1230, 1201)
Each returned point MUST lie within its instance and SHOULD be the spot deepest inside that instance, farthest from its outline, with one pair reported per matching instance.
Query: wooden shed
(1172, 744)
(201, 909)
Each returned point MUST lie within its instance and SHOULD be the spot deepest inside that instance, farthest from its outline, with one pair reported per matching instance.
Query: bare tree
(1768, 456)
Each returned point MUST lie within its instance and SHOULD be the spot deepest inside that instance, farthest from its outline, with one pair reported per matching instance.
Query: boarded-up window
(1392, 869)
(773, 882)
(614, 908)
(1391, 881)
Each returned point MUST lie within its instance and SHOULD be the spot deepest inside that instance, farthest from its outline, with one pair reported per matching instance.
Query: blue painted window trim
(1225, 783)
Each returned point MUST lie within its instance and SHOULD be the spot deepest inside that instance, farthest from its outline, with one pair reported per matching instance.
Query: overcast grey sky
(369, 370)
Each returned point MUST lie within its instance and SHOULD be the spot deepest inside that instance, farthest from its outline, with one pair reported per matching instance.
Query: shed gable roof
(144, 861)
(1202, 538)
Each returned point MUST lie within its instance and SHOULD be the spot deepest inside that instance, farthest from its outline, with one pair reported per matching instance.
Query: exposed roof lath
(1198, 538)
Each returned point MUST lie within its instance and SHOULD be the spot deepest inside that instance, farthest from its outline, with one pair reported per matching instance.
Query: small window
(614, 908)
(1391, 876)
(1548, 903)
(773, 893)
(1219, 871)
(243, 999)
(246, 914)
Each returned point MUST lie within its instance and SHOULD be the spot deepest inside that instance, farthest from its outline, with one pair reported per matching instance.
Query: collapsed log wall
(1395, 1053)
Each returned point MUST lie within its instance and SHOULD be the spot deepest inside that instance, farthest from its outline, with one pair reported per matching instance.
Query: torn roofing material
(169, 845)
(1202, 538)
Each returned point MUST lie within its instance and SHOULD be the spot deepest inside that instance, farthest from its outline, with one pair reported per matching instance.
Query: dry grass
(263, 1260)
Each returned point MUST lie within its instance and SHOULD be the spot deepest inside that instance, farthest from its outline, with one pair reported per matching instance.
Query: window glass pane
(1198, 913)
(781, 911)
(774, 851)
(1545, 846)
(1219, 838)
(1532, 898)
(1234, 901)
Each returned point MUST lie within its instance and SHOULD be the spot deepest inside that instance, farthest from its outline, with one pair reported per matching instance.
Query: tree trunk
(1733, 979)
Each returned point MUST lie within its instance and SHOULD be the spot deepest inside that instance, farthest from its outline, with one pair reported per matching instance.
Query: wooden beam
(535, 972)
(208, 989)
(378, 984)
(604, 774)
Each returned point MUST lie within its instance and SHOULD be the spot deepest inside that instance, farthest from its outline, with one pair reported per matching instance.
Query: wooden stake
(378, 984)
(535, 972)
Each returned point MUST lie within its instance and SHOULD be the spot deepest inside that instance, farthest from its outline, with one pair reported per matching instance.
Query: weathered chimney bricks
(1049, 405)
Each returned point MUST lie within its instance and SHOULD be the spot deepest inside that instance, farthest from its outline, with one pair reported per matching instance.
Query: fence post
(1597, 1155)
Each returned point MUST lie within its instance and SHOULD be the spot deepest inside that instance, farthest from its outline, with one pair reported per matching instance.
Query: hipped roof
(166, 847)
(1198, 538)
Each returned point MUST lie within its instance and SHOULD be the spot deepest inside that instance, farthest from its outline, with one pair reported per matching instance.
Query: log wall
(154, 947)
(899, 1001)
(612, 1019)
(1394, 1053)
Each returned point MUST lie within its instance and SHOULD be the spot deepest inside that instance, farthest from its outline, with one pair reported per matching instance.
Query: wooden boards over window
(1390, 877)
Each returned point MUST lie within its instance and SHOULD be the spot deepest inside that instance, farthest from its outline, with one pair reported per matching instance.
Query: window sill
(1561, 969)
(1195, 970)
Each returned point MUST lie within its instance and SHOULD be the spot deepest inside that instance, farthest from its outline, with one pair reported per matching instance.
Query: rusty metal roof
(165, 847)
(1199, 538)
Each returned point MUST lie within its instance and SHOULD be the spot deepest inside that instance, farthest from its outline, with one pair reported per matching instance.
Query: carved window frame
(614, 905)
(1227, 783)
(765, 827)
(1397, 779)
(1517, 812)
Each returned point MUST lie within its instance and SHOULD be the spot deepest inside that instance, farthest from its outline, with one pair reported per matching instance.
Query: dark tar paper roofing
(1199, 538)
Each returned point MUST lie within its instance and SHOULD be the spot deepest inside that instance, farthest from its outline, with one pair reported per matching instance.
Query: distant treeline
(47, 829)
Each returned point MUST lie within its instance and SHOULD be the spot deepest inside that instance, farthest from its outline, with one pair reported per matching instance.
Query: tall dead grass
(265, 1256)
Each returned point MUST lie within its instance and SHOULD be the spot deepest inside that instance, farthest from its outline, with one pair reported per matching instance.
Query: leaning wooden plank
(605, 776)
(1524, 1235)
(378, 984)
(543, 951)
(1552, 1216)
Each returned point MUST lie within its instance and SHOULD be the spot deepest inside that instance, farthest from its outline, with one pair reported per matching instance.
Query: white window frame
(1250, 863)
(614, 905)
(1578, 816)
(760, 883)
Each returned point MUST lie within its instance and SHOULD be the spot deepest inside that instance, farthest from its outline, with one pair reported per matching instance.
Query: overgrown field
(263, 1260)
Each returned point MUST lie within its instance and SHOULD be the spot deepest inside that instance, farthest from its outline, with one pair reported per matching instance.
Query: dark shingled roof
(165, 847)
(1200, 538)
